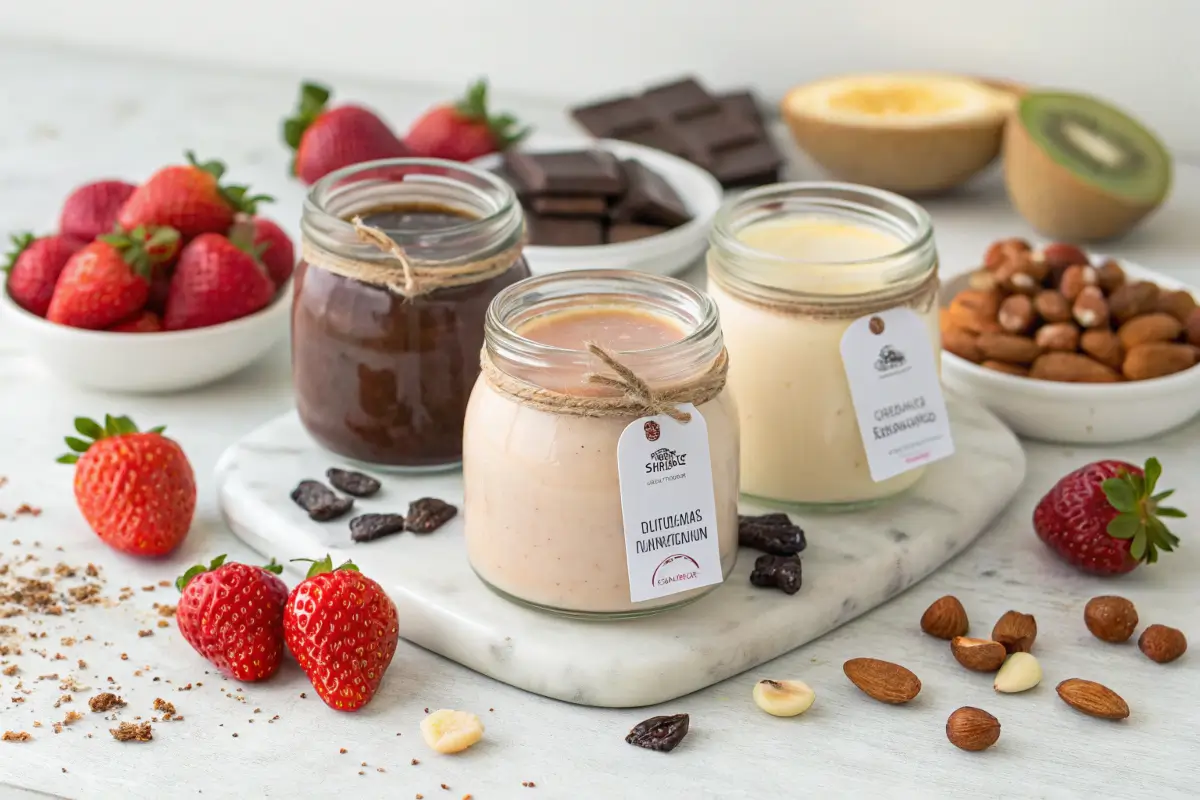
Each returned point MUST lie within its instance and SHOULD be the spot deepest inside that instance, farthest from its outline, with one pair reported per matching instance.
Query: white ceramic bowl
(665, 254)
(1079, 413)
(149, 362)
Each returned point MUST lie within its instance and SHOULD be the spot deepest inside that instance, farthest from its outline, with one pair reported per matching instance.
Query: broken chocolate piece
(610, 119)
(428, 514)
(369, 527)
(777, 572)
(632, 231)
(742, 104)
(648, 199)
(563, 231)
(355, 483)
(569, 206)
(739, 164)
(662, 734)
(576, 172)
(771, 533)
(320, 501)
(680, 99)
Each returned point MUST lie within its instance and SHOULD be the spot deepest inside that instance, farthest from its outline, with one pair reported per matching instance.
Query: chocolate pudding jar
(543, 494)
(400, 260)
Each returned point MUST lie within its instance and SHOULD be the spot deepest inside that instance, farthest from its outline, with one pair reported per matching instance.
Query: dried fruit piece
(1090, 309)
(783, 698)
(972, 729)
(1110, 618)
(1052, 306)
(369, 527)
(1016, 314)
(1162, 644)
(980, 655)
(882, 680)
(428, 514)
(1131, 300)
(1019, 673)
(1071, 368)
(448, 731)
(1156, 327)
(771, 533)
(961, 343)
(1179, 304)
(945, 618)
(1008, 348)
(1016, 631)
(320, 501)
(1093, 699)
(659, 733)
(1062, 336)
(1075, 279)
(1104, 346)
(777, 572)
(353, 483)
(1157, 360)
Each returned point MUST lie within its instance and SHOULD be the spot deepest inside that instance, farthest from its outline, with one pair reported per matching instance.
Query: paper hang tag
(668, 505)
(896, 392)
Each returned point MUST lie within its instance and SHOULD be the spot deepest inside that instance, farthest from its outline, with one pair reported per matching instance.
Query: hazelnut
(1016, 314)
(1111, 276)
(1052, 306)
(1162, 644)
(1110, 618)
(1059, 336)
(1075, 279)
(1090, 308)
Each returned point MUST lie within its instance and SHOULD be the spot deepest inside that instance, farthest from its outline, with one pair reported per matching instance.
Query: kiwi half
(1080, 169)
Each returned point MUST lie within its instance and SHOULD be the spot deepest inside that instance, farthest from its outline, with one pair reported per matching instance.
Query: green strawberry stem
(241, 236)
(20, 243)
(237, 196)
(1140, 513)
(182, 581)
(143, 248)
(473, 107)
(274, 567)
(313, 98)
(321, 566)
(93, 432)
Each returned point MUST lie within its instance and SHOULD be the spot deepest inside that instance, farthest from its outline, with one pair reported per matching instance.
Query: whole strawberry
(108, 281)
(33, 269)
(464, 130)
(91, 210)
(342, 628)
(232, 614)
(216, 281)
(189, 198)
(1105, 518)
(326, 139)
(136, 490)
(274, 249)
(145, 322)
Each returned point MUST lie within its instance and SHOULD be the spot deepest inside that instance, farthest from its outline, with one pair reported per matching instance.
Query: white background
(1141, 54)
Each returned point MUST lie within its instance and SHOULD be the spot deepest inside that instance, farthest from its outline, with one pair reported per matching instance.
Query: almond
(982, 280)
(1110, 618)
(1016, 314)
(1075, 280)
(1023, 275)
(945, 618)
(1062, 336)
(972, 729)
(1016, 631)
(980, 655)
(1005, 250)
(1104, 346)
(1071, 368)
(1133, 299)
(1007, 369)
(1093, 699)
(975, 311)
(1090, 309)
(1193, 328)
(962, 343)
(1111, 276)
(1019, 673)
(1162, 644)
(1008, 348)
(1155, 327)
(1179, 304)
(1052, 306)
(1156, 359)
(882, 680)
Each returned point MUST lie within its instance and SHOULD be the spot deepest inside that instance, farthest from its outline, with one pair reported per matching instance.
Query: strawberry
(342, 628)
(326, 139)
(33, 269)
(189, 198)
(136, 490)
(1104, 518)
(145, 322)
(463, 131)
(216, 281)
(275, 250)
(91, 210)
(109, 280)
(232, 614)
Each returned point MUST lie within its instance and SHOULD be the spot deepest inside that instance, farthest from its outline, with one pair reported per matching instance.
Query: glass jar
(386, 330)
(791, 266)
(542, 508)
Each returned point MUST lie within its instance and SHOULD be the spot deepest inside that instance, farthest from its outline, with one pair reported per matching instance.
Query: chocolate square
(735, 165)
(577, 172)
(680, 99)
(613, 119)
(742, 104)
(569, 205)
(563, 231)
(648, 198)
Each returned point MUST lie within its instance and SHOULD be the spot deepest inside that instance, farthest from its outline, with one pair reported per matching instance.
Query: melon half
(908, 133)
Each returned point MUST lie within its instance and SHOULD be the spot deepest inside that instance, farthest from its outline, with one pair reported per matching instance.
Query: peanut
(1016, 314)
(1007, 369)
(962, 343)
(1008, 348)
(1179, 304)
(1052, 306)
(1090, 308)
(1132, 300)
(1193, 328)
(1157, 359)
(1104, 346)
(975, 311)
(1075, 279)
(1156, 327)
(1071, 368)
(1058, 336)
(1110, 276)
(1005, 250)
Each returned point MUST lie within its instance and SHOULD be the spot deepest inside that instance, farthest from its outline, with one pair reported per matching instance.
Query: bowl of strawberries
(157, 287)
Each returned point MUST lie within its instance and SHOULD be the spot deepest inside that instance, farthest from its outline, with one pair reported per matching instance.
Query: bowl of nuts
(1070, 347)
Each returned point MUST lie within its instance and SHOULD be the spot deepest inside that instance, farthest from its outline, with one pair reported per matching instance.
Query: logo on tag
(653, 431)
(890, 359)
(664, 460)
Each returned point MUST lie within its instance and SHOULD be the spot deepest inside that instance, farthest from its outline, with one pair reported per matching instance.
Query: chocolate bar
(563, 231)
(578, 172)
(569, 205)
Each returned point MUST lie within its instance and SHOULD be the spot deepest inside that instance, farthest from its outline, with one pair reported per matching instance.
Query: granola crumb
(18, 699)
(303, 695)
(235, 736)
(92, 571)
(380, 769)
(37, 724)
(82, 664)
(342, 750)
(360, 772)
(363, 764)
(32, 511)
(165, 610)
(415, 762)
(67, 641)
(72, 716)
(444, 786)
(187, 688)
(168, 709)
(124, 656)
(66, 698)
(148, 588)
(132, 732)
(145, 632)
(420, 797)
(105, 701)
(11, 669)
(15, 736)
(162, 623)
(528, 784)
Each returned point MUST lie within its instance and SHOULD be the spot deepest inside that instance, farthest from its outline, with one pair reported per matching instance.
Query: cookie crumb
(133, 732)
(15, 736)
(444, 786)
(72, 716)
(415, 762)
(168, 709)
(142, 634)
(66, 698)
(162, 623)
(11, 669)
(342, 750)
(105, 701)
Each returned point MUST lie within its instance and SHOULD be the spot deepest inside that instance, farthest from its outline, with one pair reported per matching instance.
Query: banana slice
(449, 731)
(783, 698)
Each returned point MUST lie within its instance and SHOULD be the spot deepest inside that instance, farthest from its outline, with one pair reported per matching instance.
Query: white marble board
(853, 563)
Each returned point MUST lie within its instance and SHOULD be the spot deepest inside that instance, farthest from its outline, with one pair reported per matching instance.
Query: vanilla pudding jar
(791, 267)
(543, 498)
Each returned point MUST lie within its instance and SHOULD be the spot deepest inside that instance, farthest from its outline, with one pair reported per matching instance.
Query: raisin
(369, 527)
(778, 572)
(771, 533)
(659, 733)
(319, 501)
(428, 514)
(354, 483)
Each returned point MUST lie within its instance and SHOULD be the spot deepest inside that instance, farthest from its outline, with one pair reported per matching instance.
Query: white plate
(1079, 413)
(665, 254)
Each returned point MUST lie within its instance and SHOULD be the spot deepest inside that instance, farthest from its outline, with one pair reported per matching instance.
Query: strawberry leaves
(92, 432)
(473, 107)
(236, 196)
(321, 566)
(313, 98)
(20, 243)
(182, 581)
(1139, 518)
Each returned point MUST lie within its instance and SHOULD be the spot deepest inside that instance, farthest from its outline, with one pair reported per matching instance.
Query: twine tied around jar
(418, 278)
(637, 398)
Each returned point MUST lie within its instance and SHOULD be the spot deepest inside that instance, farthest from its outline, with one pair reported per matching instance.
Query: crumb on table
(132, 732)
